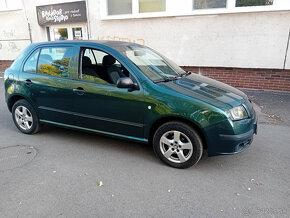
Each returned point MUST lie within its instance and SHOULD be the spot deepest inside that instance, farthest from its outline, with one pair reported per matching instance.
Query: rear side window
(30, 64)
(54, 61)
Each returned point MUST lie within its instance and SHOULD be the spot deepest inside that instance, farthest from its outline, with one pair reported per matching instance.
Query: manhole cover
(16, 156)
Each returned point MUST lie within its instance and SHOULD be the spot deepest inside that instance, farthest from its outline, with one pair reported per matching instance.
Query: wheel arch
(166, 119)
(13, 99)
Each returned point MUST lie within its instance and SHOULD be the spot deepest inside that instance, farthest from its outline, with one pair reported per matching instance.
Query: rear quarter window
(30, 64)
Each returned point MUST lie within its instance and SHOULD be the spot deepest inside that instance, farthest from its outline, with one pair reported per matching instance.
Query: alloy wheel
(176, 146)
(23, 118)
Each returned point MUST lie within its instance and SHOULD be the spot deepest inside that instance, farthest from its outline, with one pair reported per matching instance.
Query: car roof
(109, 43)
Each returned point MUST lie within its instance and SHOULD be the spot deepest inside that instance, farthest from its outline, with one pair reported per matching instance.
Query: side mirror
(126, 82)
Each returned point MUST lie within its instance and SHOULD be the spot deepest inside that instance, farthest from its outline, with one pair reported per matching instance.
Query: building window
(147, 6)
(243, 3)
(126, 9)
(60, 34)
(116, 7)
(206, 4)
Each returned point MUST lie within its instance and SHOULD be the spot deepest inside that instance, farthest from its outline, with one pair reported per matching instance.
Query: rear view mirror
(139, 53)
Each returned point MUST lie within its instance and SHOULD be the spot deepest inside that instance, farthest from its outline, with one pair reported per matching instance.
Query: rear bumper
(222, 144)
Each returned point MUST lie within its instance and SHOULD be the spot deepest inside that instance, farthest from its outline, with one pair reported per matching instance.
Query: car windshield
(155, 66)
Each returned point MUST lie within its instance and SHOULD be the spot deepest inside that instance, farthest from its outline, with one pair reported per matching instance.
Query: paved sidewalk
(273, 107)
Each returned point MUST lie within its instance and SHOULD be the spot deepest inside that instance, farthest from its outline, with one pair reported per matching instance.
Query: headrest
(108, 60)
(86, 61)
(45, 59)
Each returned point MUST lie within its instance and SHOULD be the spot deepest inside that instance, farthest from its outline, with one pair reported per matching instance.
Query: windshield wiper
(167, 79)
(186, 73)
(162, 80)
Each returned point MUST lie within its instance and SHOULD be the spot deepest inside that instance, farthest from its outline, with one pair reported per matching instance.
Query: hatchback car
(130, 91)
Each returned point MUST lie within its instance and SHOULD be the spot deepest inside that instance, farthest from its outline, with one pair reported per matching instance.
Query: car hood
(208, 90)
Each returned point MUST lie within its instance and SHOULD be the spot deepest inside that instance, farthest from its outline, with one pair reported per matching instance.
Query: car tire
(25, 118)
(177, 144)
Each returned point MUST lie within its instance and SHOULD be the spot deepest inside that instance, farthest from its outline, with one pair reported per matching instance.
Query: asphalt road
(62, 179)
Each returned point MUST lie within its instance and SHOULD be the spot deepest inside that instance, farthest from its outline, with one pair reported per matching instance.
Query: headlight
(237, 113)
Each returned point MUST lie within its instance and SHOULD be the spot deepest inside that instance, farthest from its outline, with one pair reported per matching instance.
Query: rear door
(46, 76)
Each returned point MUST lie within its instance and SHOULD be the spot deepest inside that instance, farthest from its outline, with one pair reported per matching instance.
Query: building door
(68, 32)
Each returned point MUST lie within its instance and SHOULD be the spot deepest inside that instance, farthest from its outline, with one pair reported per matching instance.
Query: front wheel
(25, 117)
(177, 144)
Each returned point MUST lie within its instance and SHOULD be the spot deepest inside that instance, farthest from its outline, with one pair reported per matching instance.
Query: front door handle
(28, 82)
(79, 91)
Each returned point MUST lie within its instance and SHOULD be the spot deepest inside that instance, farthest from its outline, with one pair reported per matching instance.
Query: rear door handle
(79, 91)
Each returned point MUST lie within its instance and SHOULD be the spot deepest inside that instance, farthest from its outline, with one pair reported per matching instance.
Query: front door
(100, 105)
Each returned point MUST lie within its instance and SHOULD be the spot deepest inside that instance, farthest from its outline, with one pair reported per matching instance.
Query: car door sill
(96, 131)
(140, 125)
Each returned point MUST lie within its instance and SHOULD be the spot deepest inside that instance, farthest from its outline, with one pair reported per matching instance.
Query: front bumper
(239, 142)
(240, 137)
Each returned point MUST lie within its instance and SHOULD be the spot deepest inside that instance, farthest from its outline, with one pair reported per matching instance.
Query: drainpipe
(287, 47)
(28, 24)
(88, 20)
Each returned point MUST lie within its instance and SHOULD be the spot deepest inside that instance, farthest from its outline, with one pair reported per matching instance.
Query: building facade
(241, 42)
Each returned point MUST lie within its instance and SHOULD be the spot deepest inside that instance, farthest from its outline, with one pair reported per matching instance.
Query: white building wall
(14, 34)
(246, 40)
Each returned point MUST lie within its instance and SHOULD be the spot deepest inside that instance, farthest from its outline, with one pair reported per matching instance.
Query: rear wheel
(177, 144)
(25, 117)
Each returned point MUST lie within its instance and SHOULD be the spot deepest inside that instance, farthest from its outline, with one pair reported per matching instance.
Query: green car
(130, 91)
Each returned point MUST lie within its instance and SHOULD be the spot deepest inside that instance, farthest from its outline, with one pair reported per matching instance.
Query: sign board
(78, 33)
(72, 12)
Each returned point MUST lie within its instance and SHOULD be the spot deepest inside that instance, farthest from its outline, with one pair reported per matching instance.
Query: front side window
(116, 7)
(54, 61)
(244, 3)
(152, 6)
(100, 67)
(30, 64)
(89, 53)
(206, 4)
